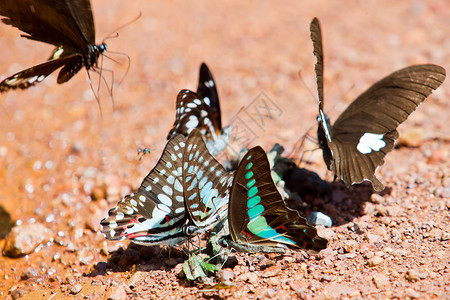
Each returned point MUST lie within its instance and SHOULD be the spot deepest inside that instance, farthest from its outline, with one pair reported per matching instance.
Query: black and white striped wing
(193, 113)
(156, 213)
(206, 184)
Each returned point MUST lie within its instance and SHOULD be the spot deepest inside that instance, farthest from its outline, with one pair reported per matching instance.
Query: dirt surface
(63, 165)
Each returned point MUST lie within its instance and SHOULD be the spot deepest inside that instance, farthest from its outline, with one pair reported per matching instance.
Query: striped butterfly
(201, 111)
(185, 175)
(155, 214)
(206, 184)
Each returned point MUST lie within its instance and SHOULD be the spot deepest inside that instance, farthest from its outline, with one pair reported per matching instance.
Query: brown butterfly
(365, 132)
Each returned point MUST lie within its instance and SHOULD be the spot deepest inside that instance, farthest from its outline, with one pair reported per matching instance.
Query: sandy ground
(63, 165)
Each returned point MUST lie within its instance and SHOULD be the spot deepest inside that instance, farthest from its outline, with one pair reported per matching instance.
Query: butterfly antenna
(115, 34)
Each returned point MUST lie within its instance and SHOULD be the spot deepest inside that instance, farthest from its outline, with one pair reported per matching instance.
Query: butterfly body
(365, 132)
(68, 25)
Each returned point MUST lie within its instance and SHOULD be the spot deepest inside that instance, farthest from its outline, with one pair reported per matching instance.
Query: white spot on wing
(369, 142)
(168, 190)
(193, 122)
(164, 199)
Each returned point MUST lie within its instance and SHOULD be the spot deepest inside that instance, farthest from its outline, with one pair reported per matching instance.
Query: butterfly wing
(193, 113)
(323, 130)
(208, 91)
(365, 132)
(206, 184)
(81, 12)
(68, 23)
(316, 37)
(33, 75)
(156, 213)
(257, 214)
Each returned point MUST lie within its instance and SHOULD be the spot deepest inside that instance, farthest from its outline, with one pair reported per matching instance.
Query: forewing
(48, 21)
(365, 132)
(156, 213)
(208, 92)
(257, 214)
(206, 183)
(193, 113)
(316, 37)
(81, 12)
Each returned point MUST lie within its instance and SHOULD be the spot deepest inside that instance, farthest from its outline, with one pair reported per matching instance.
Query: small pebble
(412, 275)
(326, 278)
(117, 293)
(29, 273)
(76, 289)
(18, 293)
(380, 280)
(412, 293)
(374, 261)
(271, 271)
(135, 279)
(225, 275)
(24, 239)
(248, 277)
(318, 218)
(376, 198)
(372, 238)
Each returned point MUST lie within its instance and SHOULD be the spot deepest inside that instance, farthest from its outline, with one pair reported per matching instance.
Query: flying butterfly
(365, 132)
(258, 218)
(66, 24)
(201, 110)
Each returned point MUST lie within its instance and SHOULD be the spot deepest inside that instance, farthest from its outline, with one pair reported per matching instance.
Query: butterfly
(206, 184)
(66, 24)
(365, 132)
(185, 175)
(258, 218)
(201, 111)
(155, 214)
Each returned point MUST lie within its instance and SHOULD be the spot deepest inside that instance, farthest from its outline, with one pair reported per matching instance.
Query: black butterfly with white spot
(201, 111)
(365, 132)
(258, 218)
(185, 175)
(66, 24)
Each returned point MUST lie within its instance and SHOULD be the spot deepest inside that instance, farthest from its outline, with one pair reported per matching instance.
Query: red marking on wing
(246, 234)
